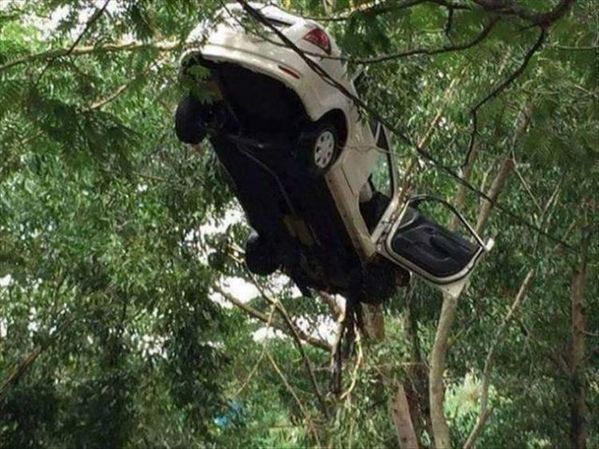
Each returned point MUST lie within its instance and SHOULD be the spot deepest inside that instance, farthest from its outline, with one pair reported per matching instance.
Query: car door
(421, 245)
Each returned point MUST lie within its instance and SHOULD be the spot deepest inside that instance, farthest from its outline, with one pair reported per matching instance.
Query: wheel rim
(324, 149)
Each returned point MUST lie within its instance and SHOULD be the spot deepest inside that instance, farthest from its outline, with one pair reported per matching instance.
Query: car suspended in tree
(318, 184)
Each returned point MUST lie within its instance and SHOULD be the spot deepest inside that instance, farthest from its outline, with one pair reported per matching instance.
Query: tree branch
(94, 17)
(254, 313)
(336, 310)
(28, 361)
(385, 7)
(494, 191)
(295, 333)
(512, 8)
(400, 413)
(500, 88)
(417, 51)
(162, 46)
(446, 319)
(262, 354)
(299, 403)
(484, 410)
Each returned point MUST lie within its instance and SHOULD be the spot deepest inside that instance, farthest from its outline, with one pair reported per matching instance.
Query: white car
(318, 183)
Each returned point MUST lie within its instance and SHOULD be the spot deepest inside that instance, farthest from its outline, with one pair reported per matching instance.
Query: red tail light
(319, 38)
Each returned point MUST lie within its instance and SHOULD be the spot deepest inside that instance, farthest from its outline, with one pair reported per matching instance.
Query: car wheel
(259, 257)
(190, 120)
(375, 284)
(319, 148)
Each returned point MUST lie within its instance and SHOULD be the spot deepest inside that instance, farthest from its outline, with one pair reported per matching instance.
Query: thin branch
(512, 8)
(299, 403)
(90, 22)
(316, 342)
(525, 286)
(527, 187)
(162, 46)
(262, 354)
(29, 360)
(417, 51)
(494, 191)
(500, 88)
(104, 101)
(331, 301)
(357, 365)
(383, 8)
(460, 196)
(119, 91)
(295, 333)
(581, 48)
(484, 411)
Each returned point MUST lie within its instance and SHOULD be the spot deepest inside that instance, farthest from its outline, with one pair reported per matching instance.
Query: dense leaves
(113, 236)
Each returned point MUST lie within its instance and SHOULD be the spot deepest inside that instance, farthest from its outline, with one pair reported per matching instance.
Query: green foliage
(113, 235)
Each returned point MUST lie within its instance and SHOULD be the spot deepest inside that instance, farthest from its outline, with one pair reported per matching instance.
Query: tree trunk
(446, 319)
(399, 407)
(436, 388)
(578, 406)
(401, 417)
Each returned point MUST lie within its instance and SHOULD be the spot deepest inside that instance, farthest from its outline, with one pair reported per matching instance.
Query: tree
(110, 335)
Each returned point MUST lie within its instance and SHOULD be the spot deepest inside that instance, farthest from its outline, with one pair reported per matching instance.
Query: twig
(259, 361)
(94, 17)
(494, 191)
(460, 196)
(331, 301)
(162, 46)
(500, 88)
(28, 361)
(295, 397)
(316, 342)
(357, 365)
(512, 8)
(526, 187)
(484, 412)
(385, 7)
(296, 338)
(416, 51)
(104, 101)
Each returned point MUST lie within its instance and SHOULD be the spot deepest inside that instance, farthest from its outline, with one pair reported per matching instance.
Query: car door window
(381, 178)
(376, 194)
(361, 84)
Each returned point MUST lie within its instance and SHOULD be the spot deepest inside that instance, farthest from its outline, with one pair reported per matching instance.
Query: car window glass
(376, 194)
(361, 84)
(381, 179)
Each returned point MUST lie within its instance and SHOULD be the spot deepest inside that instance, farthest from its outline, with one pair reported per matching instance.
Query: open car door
(440, 256)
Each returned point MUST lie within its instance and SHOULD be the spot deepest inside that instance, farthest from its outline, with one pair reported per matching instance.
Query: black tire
(375, 284)
(318, 147)
(259, 256)
(190, 120)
